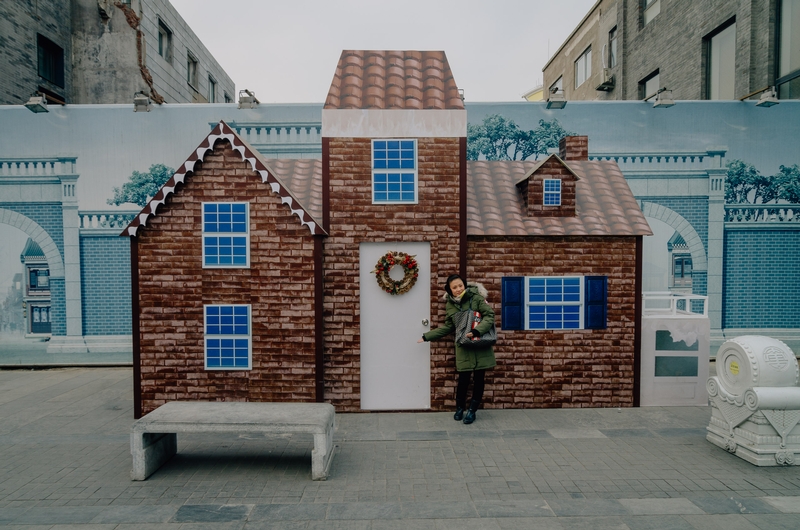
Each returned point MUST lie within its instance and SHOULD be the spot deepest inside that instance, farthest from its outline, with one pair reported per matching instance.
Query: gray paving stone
(288, 512)
(660, 506)
(513, 509)
(660, 522)
(437, 510)
(627, 433)
(774, 521)
(784, 504)
(719, 522)
(365, 510)
(135, 514)
(422, 435)
(586, 507)
(211, 513)
(740, 505)
(59, 515)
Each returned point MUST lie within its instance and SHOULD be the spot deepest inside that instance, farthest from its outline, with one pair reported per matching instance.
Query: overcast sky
(286, 51)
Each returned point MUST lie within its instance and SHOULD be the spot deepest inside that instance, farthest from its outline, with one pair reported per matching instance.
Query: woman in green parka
(470, 363)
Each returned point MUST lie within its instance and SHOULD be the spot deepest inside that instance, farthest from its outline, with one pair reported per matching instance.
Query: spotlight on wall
(769, 97)
(141, 102)
(247, 99)
(663, 99)
(556, 100)
(37, 103)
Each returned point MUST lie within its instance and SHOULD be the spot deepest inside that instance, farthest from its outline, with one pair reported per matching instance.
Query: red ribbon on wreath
(410, 272)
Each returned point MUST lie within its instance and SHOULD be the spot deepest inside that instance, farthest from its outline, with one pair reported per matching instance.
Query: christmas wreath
(387, 262)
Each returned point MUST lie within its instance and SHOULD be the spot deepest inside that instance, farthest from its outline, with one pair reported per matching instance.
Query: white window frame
(164, 41)
(551, 193)
(394, 171)
(228, 336)
(192, 67)
(650, 8)
(580, 304)
(583, 67)
(231, 234)
(558, 84)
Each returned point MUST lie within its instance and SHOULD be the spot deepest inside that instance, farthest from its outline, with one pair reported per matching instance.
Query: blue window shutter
(595, 302)
(513, 300)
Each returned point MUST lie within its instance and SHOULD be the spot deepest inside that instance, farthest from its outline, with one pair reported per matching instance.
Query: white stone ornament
(755, 400)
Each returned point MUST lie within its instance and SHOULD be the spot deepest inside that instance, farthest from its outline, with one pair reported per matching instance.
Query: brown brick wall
(560, 369)
(573, 148)
(173, 287)
(354, 219)
(533, 191)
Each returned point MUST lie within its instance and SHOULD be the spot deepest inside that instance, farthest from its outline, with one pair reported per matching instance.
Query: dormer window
(552, 192)
(394, 171)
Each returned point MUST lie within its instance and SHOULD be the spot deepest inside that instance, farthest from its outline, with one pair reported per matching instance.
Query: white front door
(395, 370)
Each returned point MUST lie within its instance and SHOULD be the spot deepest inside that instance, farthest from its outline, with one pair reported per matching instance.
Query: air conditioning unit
(608, 81)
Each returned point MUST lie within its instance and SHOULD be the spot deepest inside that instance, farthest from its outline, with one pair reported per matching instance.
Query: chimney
(574, 148)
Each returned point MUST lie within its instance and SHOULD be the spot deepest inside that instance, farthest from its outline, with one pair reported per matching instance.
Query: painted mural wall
(675, 160)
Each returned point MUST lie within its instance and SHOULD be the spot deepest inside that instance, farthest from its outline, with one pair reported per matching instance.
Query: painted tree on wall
(744, 184)
(141, 187)
(498, 138)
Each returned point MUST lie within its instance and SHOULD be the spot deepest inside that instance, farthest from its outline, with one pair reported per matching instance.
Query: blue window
(226, 234)
(394, 171)
(227, 337)
(554, 302)
(552, 192)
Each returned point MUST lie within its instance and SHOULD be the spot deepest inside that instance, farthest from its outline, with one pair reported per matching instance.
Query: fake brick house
(253, 279)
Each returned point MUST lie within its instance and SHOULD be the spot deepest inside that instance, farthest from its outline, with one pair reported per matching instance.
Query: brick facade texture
(173, 288)
(560, 369)
(105, 285)
(354, 219)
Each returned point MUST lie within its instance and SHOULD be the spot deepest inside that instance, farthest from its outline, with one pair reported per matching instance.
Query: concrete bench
(154, 438)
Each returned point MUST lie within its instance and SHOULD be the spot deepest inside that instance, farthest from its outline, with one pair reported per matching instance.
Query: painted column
(716, 238)
(73, 341)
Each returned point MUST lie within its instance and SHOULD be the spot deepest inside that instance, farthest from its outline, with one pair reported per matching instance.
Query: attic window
(552, 192)
(226, 235)
(394, 171)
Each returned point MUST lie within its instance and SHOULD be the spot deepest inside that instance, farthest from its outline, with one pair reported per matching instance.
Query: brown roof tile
(605, 204)
(393, 80)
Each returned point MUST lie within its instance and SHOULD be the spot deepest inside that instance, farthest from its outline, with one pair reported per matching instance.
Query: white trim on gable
(393, 123)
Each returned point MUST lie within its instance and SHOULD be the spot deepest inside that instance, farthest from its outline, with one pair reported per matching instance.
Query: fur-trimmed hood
(478, 287)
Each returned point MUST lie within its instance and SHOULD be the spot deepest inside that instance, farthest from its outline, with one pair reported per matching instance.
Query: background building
(99, 51)
(699, 49)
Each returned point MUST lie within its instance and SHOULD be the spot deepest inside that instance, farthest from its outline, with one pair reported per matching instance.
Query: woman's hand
(420, 341)
(469, 335)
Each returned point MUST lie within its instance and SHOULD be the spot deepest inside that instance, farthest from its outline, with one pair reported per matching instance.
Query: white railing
(668, 304)
(101, 220)
(37, 167)
(762, 213)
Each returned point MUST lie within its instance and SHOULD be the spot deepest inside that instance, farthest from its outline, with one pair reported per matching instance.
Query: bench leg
(150, 451)
(322, 455)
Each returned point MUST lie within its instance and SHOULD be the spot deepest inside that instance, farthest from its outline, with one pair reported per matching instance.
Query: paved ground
(17, 351)
(65, 464)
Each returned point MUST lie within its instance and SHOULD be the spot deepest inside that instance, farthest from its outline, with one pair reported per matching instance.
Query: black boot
(470, 416)
(459, 415)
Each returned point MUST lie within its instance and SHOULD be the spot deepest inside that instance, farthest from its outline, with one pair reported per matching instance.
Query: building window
(394, 171)
(227, 337)
(682, 271)
(612, 48)
(552, 192)
(650, 8)
(788, 81)
(583, 67)
(51, 61)
(191, 70)
(554, 302)
(226, 235)
(228, 99)
(164, 41)
(721, 63)
(558, 86)
(39, 279)
(212, 90)
(649, 86)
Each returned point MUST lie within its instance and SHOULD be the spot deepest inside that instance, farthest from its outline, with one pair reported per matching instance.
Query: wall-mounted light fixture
(37, 103)
(769, 97)
(141, 102)
(247, 99)
(663, 99)
(556, 100)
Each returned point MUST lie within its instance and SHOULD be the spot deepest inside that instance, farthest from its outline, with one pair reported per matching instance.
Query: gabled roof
(605, 204)
(393, 80)
(539, 163)
(32, 250)
(268, 176)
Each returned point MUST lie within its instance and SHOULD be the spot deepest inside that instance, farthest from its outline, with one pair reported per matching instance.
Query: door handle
(425, 322)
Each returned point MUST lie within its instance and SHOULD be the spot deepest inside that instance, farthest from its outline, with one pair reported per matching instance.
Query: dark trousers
(477, 388)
